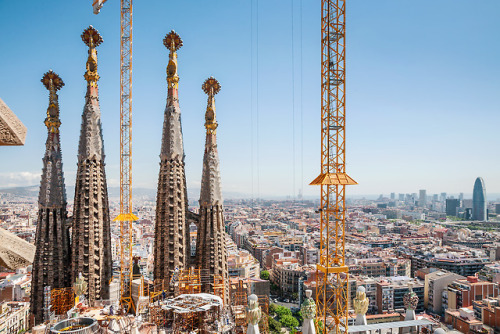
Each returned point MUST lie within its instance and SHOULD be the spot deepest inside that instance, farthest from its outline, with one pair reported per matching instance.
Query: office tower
(451, 206)
(401, 197)
(479, 204)
(393, 196)
(443, 197)
(461, 196)
(422, 200)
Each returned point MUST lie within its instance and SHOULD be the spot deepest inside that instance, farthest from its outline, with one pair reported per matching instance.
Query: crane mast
(332, 271)
(126, 217)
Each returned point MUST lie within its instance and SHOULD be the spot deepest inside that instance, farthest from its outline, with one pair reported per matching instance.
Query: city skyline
(408, 92)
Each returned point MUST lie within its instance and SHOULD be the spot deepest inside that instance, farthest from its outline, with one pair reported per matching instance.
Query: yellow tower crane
(332, 272)
(126, 217)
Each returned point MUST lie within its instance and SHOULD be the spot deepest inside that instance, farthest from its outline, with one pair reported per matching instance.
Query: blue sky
(423, 90)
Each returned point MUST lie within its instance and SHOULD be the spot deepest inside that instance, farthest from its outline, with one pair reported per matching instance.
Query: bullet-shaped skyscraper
(91, 234)
(52, 255)
(479, 204)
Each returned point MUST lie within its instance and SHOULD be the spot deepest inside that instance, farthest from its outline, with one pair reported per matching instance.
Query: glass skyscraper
(479, 211)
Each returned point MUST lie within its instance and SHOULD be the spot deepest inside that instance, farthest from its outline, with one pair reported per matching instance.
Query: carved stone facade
(91, 235)
(211, 253)
(52, 256)
(12, 131)
(15, 252)
(171, 248)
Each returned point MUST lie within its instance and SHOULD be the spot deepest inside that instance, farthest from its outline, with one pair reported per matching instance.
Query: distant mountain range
(193, 194)
(113, 192)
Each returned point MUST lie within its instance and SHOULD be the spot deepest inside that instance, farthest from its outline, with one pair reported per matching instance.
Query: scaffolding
(158, 290)
(189, 282)
(264, 306)
(159, 316)
(62, 300)
(239, 302)
(219, 287)
(239, 293)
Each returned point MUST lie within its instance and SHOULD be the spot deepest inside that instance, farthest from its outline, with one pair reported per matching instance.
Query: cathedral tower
(91, 235)
(52, 255)
(171, 248)
(211, 254)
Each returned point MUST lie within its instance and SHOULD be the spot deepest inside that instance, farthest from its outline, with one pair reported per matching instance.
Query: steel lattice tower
(332, 272)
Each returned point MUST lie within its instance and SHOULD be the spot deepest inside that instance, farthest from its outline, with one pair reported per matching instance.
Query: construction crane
(126, 217)
(332, 272)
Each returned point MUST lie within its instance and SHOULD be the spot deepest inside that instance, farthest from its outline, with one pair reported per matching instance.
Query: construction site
(189, 294)
(77, 285)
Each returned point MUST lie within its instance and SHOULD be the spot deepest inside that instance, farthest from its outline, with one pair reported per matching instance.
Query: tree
(298, 316)
(289, 321)
(319, 326)
(272, 308)
(274, 325)
(264, 274)
(282, 311)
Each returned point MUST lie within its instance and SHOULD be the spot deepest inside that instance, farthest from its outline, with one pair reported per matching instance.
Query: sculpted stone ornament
(80, 287)
(12, 131)
(361, 303)
(14, 251)
(308, 310)
(254, 314)
(410, 301)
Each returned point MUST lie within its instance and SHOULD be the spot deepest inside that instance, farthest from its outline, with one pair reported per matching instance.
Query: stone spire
(91, 236)
(211, 254)
(52, 255)
(171, 248)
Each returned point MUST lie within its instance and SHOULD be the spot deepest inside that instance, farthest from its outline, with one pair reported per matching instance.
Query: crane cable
(293, 110)
(251, 102)
(301, 112)
(254, 103)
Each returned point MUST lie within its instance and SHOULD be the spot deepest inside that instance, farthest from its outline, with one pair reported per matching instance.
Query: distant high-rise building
(401, 197)
(451, 206)
(91, 233)
(435, 197)
(466, 203)
(211, 254)
(172, 249)
(461, 196)
(52, 255)
(393, 196)
(442, 197)
(479, 204)
(422, 199)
